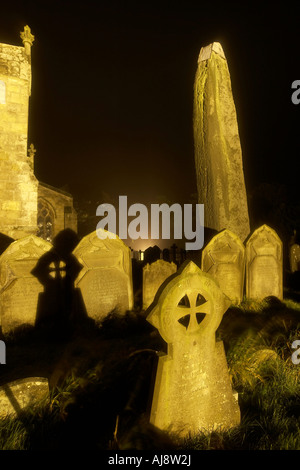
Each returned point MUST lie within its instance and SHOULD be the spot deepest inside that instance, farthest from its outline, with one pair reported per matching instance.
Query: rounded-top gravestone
(106, 277)
(19, 288)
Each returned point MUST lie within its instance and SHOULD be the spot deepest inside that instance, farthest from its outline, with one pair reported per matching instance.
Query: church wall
(61, 204)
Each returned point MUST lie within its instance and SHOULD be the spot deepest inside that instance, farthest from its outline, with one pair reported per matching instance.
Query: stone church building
(27, 206)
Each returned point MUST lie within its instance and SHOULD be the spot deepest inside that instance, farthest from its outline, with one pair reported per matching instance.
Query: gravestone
(224, 258)
(19, 289)
(264, 266)
(106, 277)
(218, 154)
(154, 275)
(192, 388)
(16, 396)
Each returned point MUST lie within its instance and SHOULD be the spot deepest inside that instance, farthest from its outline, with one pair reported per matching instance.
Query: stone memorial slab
(192, 388)
(218, 154)
(224, 258)
(106, 277)
(264, 266)
(19, 289)
(154, 275)
(16, 396)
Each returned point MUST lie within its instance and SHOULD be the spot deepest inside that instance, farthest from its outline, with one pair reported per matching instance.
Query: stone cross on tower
(218, 153)
(27, 39)
(192, 388)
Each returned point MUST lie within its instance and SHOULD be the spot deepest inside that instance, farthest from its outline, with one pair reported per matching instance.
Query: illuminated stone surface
(264, 264)
(192, 388)
(218, 155)
(106, 277)
(17, 395)
(19, 289)
(224, 258)
(154, 275)
(19, 188)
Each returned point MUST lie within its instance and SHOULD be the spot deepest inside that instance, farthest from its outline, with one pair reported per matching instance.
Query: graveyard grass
(101, 379)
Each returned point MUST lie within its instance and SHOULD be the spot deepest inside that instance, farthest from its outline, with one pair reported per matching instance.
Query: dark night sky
(112, 91)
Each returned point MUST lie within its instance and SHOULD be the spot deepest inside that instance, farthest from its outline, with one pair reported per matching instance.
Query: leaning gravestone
(154, 275)
(106, 277)
(16, 396)
(192, 388)
(19, 289)
(264, 266)
(224, 258)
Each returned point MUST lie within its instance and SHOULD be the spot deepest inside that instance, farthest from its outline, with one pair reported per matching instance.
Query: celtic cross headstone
(192, 388)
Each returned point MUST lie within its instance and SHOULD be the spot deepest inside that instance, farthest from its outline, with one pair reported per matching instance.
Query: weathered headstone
(264, 266)
(154, 275)
(224, 258)
(16, 396)
(218, 155)
(19, 289)
(192, 388)
(106, 277)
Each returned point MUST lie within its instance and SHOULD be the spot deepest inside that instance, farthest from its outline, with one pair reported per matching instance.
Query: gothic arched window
(45, 221)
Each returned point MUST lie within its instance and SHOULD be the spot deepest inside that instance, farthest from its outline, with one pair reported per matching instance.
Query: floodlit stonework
(18, 185)
(224, 258)
(154, 275)
(192, 388)
(105, 280)
(19, 288)
(19, 188)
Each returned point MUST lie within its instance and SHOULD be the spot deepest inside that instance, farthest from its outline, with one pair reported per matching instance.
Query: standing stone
(264, 267)
(154, 275)
(19, 289)
(224, 258)
(16, 396)
(218, 155)
(192, 388)
(106, 277)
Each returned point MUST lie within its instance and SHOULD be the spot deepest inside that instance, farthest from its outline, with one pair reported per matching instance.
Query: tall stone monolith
(218, 154)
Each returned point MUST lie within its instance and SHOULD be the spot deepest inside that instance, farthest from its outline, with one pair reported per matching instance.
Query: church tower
(18, 185)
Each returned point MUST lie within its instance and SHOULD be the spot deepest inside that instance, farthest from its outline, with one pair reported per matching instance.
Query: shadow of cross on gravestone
(60, 305)
(57, 269)
(192, 387)
(224, 259)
